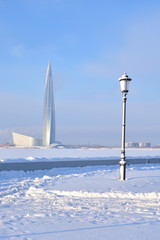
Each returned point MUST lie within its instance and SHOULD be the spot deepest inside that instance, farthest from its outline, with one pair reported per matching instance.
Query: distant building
(48, 119)
(136, 145)
(144, 144)
(25, 141)
(48, 111)
(132, 144)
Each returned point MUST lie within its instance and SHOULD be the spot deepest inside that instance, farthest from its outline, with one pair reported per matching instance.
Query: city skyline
(90, 45)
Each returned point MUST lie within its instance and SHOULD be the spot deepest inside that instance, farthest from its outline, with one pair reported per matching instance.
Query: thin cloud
(19, 51)
(6, 133)
(98, 69)
(140, 53)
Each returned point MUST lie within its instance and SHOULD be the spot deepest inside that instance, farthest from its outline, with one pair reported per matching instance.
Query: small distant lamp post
(124, 84)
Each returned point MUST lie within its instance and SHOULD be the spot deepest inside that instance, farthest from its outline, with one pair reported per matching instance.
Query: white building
(25, 141)
(136, 145)
(144, 144)
(132, 144)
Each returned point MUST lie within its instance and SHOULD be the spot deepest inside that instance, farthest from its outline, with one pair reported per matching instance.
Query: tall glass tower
(48, 111)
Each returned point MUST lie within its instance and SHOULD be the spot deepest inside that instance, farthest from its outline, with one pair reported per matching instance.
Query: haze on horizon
(90, 44)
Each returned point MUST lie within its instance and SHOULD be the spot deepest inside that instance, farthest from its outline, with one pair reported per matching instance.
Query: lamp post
(124, 84)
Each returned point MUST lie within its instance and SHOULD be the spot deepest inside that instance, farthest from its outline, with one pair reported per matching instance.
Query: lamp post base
(122, 170)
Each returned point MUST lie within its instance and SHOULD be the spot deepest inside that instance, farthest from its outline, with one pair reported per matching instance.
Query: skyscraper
(48, 119)
(48, 110)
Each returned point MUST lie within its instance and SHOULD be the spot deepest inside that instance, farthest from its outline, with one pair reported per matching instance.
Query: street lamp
(124, 84)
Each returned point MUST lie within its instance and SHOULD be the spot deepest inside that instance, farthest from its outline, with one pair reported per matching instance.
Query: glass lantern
(124, 83)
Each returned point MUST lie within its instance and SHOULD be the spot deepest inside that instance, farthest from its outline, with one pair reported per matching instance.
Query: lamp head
(124, 83)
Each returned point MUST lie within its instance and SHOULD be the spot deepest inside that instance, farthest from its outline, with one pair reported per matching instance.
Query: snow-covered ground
(51, 154)
(81, 203)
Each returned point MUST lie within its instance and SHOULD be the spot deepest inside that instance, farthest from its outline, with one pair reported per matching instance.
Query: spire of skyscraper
(48, 110)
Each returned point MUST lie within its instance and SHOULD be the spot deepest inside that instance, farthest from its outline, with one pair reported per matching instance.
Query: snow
(81, 203)
(53, 154)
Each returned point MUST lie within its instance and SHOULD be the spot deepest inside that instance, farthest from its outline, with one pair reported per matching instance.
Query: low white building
(25, 141)
(144, 144)
(136, 144)
(132, 144)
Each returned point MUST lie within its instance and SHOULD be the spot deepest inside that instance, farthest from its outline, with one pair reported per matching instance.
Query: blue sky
(90, 45)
